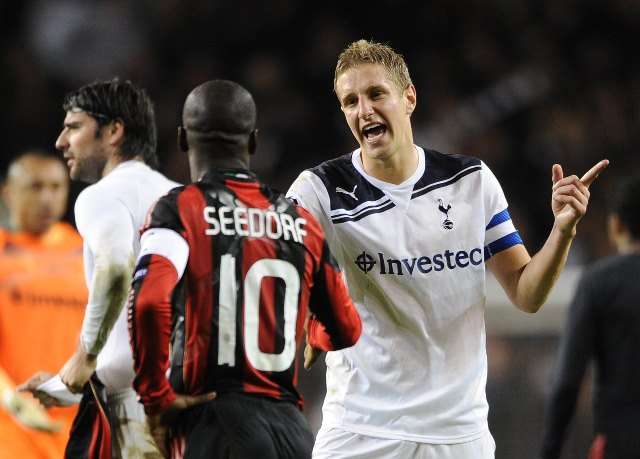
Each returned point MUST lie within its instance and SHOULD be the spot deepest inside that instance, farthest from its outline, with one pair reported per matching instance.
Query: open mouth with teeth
(374, 131)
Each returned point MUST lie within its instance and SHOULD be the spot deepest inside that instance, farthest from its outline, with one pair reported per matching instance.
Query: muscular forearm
(109, 288)
(541, 273)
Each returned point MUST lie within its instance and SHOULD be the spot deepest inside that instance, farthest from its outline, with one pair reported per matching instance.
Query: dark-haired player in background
(236, 268)
(109, 140)
(603, 326)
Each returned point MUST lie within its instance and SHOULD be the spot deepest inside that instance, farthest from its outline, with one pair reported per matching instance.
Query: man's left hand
(570, 195)
(78, 370)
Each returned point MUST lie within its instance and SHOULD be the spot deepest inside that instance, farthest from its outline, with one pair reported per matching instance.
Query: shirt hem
(436, 440)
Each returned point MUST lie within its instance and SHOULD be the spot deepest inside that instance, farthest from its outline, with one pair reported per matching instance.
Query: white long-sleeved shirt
(109, 215)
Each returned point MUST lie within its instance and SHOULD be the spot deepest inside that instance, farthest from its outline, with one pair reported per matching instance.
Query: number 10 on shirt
(228, 301)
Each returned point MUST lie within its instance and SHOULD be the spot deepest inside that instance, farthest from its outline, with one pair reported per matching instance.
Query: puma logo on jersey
(349, 193)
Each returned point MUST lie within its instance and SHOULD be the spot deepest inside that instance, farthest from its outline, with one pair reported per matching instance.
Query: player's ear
(410, 98)
(183, 145)
(115, 129)
(253, 141)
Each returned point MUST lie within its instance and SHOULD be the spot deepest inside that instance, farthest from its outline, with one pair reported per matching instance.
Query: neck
(392, 168)
(114, 161)
(201, 163)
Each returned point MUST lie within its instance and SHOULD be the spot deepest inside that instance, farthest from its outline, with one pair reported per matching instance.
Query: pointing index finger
(593, 173)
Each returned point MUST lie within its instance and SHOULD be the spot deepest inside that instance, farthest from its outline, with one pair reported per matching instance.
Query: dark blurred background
(520, 84)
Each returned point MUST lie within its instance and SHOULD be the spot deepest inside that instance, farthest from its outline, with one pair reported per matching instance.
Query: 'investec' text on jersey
(422, 264)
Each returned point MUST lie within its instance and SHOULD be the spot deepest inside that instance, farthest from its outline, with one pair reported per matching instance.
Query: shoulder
(346, 188)
(607, 276)
(445, 169)
(339, 175)
(131, 176)
(91, 196)
(99, 205)
(98, 197)
(170, 198)
(165, 212)
(610, 268)
(447, 164)
(335, 170)
(157, 177)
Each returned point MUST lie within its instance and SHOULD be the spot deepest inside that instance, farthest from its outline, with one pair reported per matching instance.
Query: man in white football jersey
(109, 139)
(413, 230)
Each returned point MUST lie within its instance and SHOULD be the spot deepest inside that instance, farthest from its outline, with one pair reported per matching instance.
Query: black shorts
(238, 426)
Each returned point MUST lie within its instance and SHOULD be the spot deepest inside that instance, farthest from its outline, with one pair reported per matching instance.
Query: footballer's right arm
(163, 258)
(108, 233)
(161, 264)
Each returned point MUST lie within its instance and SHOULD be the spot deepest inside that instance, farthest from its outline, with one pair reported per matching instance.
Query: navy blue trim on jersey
(501, 244)
(498, 218)
(352, 197)
(442, 170)
(340, 174)
(375, 209)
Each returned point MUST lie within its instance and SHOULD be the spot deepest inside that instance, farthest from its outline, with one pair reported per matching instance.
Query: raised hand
(570, 195)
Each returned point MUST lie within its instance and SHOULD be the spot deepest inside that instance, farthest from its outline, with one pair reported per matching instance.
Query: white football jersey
(109, 215)
(414, 257)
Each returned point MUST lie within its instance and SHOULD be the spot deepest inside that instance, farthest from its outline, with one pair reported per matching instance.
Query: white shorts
(130, 437)
(336, 443)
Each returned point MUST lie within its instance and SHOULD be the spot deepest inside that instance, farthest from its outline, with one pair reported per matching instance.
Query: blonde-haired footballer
(414, 231)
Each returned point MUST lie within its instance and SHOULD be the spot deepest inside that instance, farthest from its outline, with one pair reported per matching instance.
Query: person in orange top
(42, 299)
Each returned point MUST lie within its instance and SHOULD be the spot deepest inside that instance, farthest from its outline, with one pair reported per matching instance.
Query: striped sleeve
(500, 232)
(149, 317)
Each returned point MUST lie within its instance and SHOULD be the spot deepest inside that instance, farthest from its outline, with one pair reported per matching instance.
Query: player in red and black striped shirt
(229, 272)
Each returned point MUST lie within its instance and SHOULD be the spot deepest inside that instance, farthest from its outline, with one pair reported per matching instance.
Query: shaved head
(218, 127)
(220, 110)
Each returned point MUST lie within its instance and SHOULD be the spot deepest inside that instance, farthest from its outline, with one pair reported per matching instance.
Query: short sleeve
(106, 225)
(309, 192)
(500, 232)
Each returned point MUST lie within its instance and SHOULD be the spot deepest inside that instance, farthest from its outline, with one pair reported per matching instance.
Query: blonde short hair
(369, 52)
